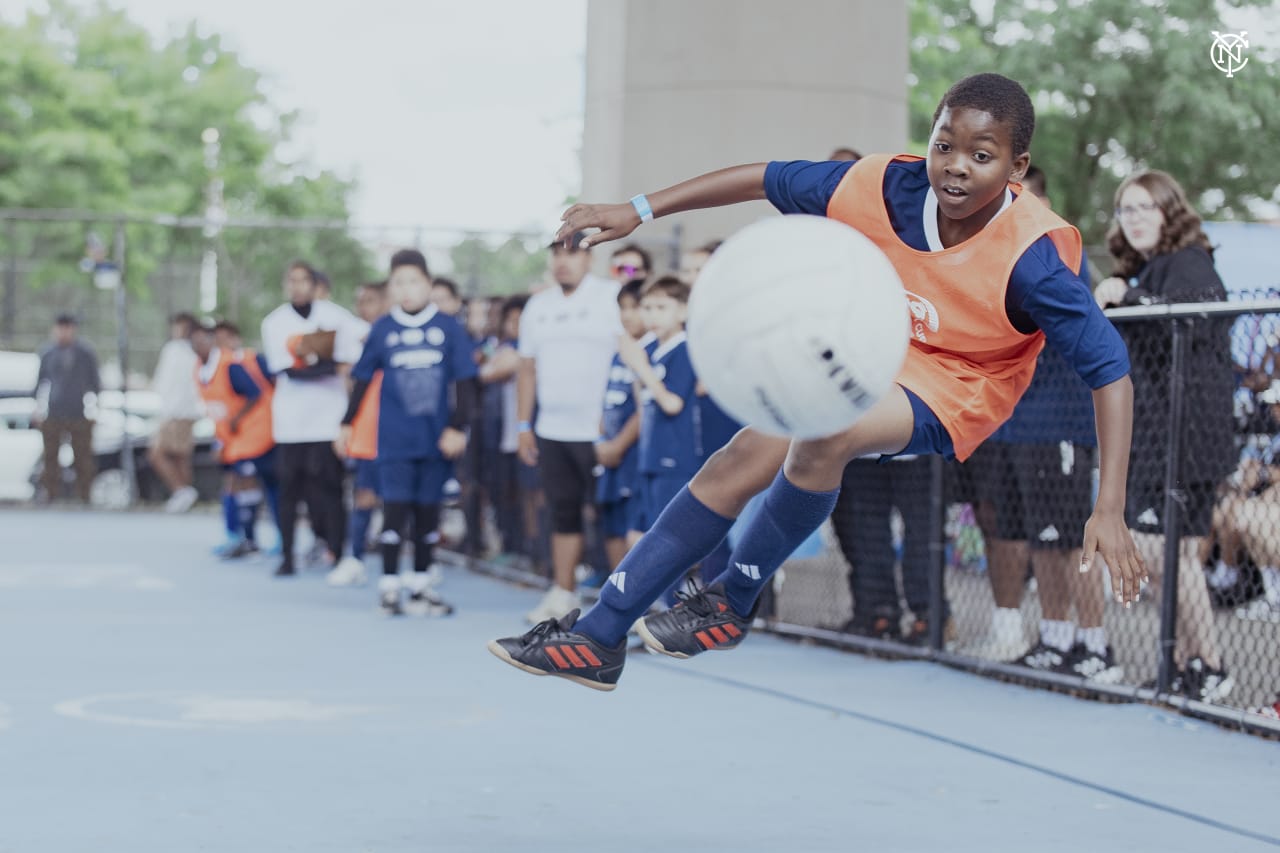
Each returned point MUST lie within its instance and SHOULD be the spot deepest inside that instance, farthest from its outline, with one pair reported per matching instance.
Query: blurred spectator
(844, 153)
(310, 346)
(568, 336)
(324, 287)
(1163, 256)
(172, 443)
(630, 263)
(870, 491)
(692, 261)
(500, 472)
(445, 296)
(68, 372)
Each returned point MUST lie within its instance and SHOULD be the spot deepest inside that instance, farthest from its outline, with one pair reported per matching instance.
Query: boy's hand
(614, 221)
(527, 448)
(632, 354)
(1110, 291)
(607, 454)
(342, 443)
(1107, 535)
(452, 443)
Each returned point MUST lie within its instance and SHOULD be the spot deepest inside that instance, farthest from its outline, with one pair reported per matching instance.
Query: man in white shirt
(310, 345)
(172, 443)
(568, 335)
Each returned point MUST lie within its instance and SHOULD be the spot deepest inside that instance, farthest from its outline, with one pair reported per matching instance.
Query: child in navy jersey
(425, 358)
(616, 450)
(670, 445)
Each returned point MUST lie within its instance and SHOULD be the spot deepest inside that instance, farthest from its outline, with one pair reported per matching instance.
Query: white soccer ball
(798, 325)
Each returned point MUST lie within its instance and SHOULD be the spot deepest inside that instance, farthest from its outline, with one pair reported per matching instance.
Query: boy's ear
(1020, 165)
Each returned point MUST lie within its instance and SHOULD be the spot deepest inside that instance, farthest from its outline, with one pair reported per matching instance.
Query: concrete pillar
(680, 87)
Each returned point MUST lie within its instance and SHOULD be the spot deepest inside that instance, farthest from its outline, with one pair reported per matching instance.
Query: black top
(1208, 449)
(70, 372)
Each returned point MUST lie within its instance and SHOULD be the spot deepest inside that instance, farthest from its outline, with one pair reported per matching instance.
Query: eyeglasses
(626, 269)
(1130, 211)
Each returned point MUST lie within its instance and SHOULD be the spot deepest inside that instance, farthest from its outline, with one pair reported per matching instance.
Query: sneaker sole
(501, 654)
(651, 642)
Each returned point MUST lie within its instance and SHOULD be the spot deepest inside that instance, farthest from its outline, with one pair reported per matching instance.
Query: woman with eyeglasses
(1163, 256)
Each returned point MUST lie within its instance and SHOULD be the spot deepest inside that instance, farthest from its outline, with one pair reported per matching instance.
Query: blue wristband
(643, 210)
(524, 426)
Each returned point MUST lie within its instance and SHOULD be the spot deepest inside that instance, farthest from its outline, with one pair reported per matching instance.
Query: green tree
(1119, 85)
(481, 268)
(98, 116)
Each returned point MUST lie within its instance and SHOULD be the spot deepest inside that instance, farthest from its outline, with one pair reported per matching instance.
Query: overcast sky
(422, 101)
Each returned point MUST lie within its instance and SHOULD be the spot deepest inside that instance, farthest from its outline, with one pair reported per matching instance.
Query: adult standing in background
(310, 346)
(172, 443)
(568, 335)
(68, 372)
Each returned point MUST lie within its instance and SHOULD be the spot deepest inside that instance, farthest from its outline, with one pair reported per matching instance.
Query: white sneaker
(181, 500)
(348, 572)
(389, 595)
(555, 604)
(423, 599)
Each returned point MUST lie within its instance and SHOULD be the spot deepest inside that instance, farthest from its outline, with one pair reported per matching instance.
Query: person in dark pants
(870, 491)
(68, 371)
(310, 345)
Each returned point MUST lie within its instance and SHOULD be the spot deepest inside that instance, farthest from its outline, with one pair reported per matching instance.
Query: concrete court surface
(155, 699)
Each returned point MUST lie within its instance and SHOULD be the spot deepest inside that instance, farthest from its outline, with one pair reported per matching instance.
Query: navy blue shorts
(654, 492)
(366, 476)
(413, 481)
(615, 517)
(263, 467)
(928, 435)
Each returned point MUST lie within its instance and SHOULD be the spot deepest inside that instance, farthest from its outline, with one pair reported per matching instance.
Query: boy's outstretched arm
(1106, 532)
(714, 189)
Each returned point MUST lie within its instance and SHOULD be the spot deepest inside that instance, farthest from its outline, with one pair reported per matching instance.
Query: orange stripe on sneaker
(572, 656)
(707, 642)
(557, 658)
(589, 655)
(719, 635)
(732, 630)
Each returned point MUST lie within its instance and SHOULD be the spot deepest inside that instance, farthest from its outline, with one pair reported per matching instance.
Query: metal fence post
(9, 314)
(937, 554)
(122, 353)
(1173, 500)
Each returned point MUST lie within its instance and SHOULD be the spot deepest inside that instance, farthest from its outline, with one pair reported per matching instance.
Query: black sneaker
(243, 548)
(1204, 683)
(553, 648)
(880, 627)
(697, 623)
(1044, 658)
(1091, 666)
(285, 569)
(427, 602)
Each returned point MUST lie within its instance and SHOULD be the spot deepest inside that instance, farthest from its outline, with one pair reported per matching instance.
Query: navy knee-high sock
(683, 534)
(231, 515)
(358, 531)
(714, 564)
(786, 519)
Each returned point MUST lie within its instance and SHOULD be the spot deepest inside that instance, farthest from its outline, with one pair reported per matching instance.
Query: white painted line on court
(5, 720)
(202, 711)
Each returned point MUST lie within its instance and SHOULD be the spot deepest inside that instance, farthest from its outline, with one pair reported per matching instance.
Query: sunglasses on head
(626, 269)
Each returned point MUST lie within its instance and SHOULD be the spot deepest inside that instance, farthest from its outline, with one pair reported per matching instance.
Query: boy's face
(410, 288)
(691, 264)
(632, 318)
(629, 266)
(663, 315)
(225, 339)
(569, 266)
(971, 160)
(511, 325)
(371, 303)
(444, 299)
(478, 318)
(202, 342)
(299, 287)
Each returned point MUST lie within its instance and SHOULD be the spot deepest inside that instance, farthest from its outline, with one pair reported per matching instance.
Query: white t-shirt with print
(572, 339)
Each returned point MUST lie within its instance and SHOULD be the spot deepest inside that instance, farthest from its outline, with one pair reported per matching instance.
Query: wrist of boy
(524, 426)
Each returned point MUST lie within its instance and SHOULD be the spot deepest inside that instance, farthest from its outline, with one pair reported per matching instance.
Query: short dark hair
(630, 290)
(206, 327)
(409, 258)
(710, 247)
(321, 279)
(634, 248)
(448, 284)
(227, 326)
(844, 152)
(184, 318)
(1035, 173)
(65, 319)
(305, 267)
(1004, 99)
(670, 285)
(513, 303)
(379, 286)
